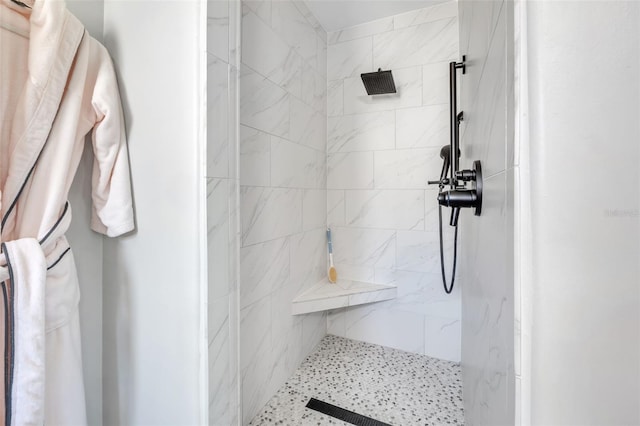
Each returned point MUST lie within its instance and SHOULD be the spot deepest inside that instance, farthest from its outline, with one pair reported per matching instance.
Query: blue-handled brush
(333, 274)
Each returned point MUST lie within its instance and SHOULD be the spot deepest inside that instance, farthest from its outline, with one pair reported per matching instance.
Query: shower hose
(448, 289)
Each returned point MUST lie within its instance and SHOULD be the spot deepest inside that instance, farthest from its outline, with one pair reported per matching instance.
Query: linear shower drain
(342, 414)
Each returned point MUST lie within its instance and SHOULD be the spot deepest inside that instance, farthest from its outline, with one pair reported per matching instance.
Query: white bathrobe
(57, 84)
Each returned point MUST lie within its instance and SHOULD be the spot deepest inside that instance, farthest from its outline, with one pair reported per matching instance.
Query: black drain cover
(342, 414)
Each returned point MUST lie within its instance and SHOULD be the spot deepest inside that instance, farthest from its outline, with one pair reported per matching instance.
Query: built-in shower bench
(324, 296)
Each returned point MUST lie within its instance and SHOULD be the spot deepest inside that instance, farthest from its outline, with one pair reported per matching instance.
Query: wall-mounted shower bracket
(462, 64)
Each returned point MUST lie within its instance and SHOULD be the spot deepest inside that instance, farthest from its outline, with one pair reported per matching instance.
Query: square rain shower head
(379, 82)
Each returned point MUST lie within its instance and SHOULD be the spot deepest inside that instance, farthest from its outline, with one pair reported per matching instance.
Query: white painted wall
(382, 150)
(152, 280)
(580, 160)
(87, 246)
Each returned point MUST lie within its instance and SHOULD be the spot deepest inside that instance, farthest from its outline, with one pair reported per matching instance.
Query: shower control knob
(466, 175)
(458, 198)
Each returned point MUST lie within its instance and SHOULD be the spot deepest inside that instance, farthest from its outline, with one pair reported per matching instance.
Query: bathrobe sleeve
(112, 212)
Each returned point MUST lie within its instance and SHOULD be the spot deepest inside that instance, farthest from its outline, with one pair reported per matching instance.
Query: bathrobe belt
(53, 245)
(27, 261)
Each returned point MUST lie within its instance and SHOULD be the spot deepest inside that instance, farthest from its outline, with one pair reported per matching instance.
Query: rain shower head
(379, 83)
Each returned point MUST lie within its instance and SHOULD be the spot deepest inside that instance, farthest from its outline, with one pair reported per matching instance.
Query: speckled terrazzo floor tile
(311, 417)
(407, 404)
(396, 387)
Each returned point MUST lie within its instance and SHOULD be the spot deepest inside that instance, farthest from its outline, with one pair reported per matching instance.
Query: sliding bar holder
(455, 117)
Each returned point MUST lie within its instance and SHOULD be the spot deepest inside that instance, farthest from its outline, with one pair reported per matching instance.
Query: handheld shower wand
(445, 154)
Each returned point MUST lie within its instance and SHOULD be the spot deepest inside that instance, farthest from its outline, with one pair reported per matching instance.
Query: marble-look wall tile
(336, 322)
(308, 127)
(435, 83)
(351, 170)
(287, 20)
(218, 237)
(478, 21)
(255, 157)
(421, 293)
(310, 17)
(295, 166)
(255, 359)
(335, 208)
(442, 338)
(431, 209)
(265, 52)
(408, 83)
(428, 14)
(233, 372)
(283, 212)
(489, 140)
(287, 347)
(365, 247)
(360, 31)
(269, 213)
(220, 406)
(308, 257)
(262, 8)
(233, 146)
(314, 328)
(488, 308)
(362, 132)
(323, 170)
(263, 104)
(350, 58)
(378, 323)
(265, 266)
(314, 209)
(335, 98)
(486, 261)
(218, 28)
(322, 57)
(223, 239)
(385, 209)
(422, 127)
(356, 272)
(314, 89)
(235, 30)
(420, 251)
(407, 168)
(217, 117)
(431, 42)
